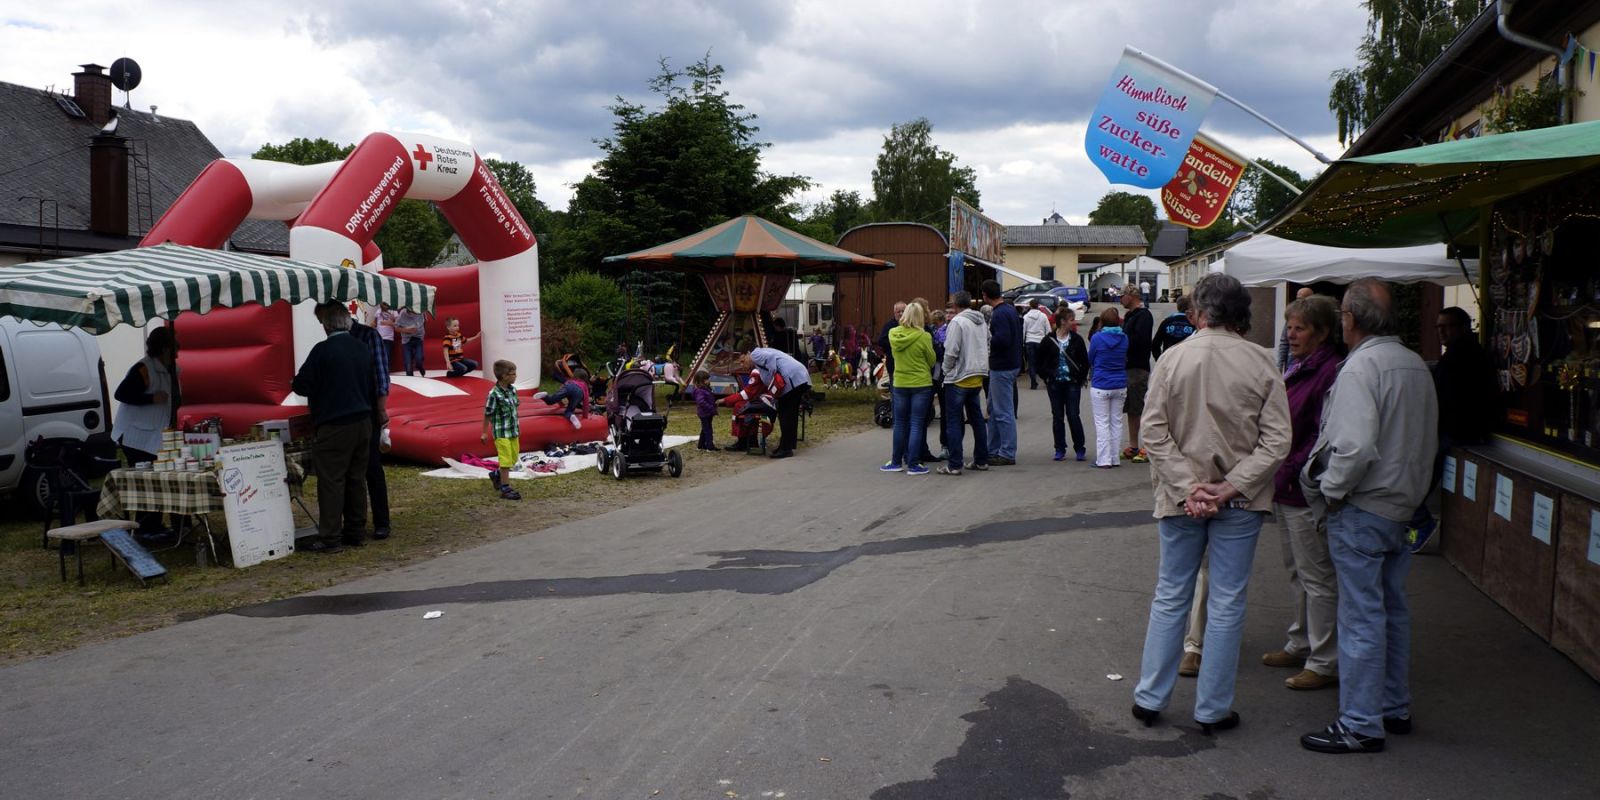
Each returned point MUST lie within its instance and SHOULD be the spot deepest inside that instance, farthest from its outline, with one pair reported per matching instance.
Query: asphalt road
(808, 628)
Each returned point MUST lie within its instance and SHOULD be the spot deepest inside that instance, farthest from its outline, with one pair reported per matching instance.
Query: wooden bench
(84, 533)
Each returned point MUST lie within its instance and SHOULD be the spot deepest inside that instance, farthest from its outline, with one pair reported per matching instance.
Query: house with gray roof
(1056, 248)
(79, 175)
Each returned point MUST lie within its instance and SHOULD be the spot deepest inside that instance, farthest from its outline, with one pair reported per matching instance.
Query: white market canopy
(1266, 260)
(101, 291)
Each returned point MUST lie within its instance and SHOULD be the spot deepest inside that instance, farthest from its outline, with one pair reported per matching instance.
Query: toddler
(500, 423)
(455, 358)
(573, 392)
(705, 406)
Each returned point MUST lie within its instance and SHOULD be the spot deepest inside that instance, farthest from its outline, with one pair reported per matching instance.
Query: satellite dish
(125, 74)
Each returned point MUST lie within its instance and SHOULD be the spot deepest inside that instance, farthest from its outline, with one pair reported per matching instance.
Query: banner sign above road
(1141, 129)
(1198, 194)
(975, 234)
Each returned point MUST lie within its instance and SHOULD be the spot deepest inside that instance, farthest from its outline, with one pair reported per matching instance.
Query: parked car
(1075, 297)
(1029, 288)
(52, 386)
(1047, 301)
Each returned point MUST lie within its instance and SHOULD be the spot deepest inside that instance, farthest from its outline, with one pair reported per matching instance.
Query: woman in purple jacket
(1312, 644)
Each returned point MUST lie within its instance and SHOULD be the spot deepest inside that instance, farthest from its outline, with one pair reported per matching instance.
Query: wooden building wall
(866, 300)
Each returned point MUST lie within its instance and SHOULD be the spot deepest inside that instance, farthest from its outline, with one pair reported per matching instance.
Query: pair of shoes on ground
(1338, 739)
(1417, 537)
(1149, 717)
(914, 469)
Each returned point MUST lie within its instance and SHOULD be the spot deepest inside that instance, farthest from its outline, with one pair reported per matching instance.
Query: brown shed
(921, 268)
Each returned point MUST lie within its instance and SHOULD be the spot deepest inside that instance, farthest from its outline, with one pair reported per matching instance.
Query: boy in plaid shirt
(500, 421)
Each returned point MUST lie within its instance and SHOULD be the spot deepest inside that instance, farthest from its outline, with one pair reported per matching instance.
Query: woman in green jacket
(912, 350)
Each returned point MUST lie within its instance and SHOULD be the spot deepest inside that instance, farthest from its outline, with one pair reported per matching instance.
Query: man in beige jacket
(1216, 426)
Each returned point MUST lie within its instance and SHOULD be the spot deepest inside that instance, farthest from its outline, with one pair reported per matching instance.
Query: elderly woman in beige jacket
(1216, 426)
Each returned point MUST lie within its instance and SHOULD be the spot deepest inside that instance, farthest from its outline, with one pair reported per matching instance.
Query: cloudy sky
(1007, 84)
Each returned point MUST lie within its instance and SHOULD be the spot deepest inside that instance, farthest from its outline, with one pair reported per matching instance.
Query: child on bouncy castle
(454, 343)
(705, 407)
(574, 392)
(500, 423)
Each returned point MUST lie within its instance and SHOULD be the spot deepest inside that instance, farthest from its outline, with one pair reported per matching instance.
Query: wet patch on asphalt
(1025, 742)
(770, 572)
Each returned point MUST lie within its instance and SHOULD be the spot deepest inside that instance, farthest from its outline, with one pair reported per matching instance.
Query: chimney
(91, 90)
(108, 184)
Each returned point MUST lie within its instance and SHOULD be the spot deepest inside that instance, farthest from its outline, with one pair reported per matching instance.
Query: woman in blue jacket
(1108, 387)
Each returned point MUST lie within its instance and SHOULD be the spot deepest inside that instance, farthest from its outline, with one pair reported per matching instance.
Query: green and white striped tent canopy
(101, 291)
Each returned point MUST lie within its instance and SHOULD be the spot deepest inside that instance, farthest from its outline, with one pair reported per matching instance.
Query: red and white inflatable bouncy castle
(238, 363)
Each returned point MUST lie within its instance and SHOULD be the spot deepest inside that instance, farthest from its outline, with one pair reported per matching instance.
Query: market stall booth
(1522, 513)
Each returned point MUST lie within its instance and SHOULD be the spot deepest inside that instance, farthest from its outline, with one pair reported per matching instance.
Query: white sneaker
(384, 445)
(575, 423)
(540, 395)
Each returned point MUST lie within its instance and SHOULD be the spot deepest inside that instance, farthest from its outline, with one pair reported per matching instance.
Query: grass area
(39, 614)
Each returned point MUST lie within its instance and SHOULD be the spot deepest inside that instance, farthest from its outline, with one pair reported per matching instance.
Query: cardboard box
(1519, 568)
(1463, 518)
(1575, 627)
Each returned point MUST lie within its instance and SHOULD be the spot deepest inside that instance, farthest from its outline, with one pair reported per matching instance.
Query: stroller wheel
(674, 464)
(619, 465)
(601, 462)
(883, 414)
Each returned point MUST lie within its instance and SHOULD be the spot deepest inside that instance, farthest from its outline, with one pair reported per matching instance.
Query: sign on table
(256, 500)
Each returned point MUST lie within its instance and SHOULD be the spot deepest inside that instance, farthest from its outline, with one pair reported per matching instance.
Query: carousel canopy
(1431, 194)
(101, 291)
(747, 244)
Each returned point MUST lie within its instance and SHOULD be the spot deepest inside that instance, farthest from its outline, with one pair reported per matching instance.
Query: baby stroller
(636, 429)
(883, 410)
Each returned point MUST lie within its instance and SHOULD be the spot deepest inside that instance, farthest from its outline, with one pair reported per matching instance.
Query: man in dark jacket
(1139, 325)
(883, 340)
(1465, 375)
(1005, 360)
(1174, 329)
(336, 380)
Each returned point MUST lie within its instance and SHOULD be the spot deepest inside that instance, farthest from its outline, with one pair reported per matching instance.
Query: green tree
(1403, 37)
(597, 306)
(688, 163)
(1127, 208)
(413, 235)
(1258, 197)
(915, 179)
(304, 152)
(831, 218)
(521, 189)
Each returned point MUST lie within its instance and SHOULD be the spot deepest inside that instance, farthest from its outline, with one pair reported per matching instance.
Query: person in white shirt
(1035, 326)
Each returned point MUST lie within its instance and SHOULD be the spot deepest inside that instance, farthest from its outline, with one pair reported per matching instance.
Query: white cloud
(1006, 85)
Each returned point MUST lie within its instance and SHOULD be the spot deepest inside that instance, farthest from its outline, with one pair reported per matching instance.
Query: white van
(52, 385)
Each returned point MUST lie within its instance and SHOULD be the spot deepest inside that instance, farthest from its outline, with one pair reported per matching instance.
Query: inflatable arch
(238, 363)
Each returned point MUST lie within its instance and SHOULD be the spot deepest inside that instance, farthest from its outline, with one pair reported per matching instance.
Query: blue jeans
(570, 395)
(1066, 401)
(1003, 413)
(910, 409)
(411, 350)
(961, 408)
(1370, 559)
(1230, 537)
(462, 366)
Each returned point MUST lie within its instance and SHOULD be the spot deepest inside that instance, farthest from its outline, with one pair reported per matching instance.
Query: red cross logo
(423, 157)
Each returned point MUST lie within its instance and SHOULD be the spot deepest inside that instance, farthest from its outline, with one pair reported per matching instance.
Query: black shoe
(1336, 738)
(320, 546)
(1001, 461)
(1145, 715)
(379, 534)
(1399, 726)
(1227, 723)
(352, 541)
(782, 453)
